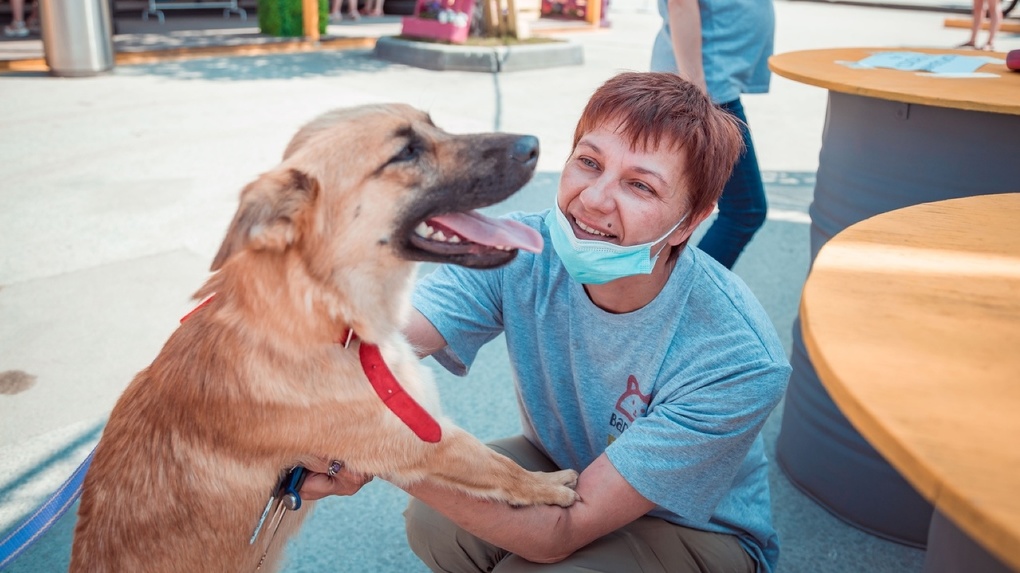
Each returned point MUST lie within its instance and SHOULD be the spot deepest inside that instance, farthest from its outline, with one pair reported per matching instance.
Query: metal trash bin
(77, 36)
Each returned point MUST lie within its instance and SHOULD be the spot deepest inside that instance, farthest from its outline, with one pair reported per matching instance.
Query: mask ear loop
(668, 233)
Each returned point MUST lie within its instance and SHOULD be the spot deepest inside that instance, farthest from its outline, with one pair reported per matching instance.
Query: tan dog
(254, 382)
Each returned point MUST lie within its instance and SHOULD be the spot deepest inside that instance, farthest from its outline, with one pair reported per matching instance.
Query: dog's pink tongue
(483, 230)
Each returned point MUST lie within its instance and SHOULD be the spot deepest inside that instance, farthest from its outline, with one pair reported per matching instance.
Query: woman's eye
(589, 163)
(642, 187)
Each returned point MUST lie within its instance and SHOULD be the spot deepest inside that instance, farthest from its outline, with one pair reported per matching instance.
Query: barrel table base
(951, 551)
(877, 156)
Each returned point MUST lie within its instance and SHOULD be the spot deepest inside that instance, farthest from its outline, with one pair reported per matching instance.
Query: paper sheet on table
(918, 62)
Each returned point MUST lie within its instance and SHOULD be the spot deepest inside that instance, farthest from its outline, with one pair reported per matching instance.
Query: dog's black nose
(525, 149)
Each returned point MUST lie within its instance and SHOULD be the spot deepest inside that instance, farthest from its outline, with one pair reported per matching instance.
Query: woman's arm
(685, 33)
(543, 533)
(423, 336)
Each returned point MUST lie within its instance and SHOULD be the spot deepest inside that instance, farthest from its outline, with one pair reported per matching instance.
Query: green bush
(283, 17)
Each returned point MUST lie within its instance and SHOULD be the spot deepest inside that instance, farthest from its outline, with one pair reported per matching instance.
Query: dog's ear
(268, 214)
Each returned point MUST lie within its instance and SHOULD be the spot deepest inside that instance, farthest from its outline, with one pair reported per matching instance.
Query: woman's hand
(331, 479)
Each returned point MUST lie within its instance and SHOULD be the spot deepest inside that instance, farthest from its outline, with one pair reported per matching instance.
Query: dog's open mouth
(473, 235)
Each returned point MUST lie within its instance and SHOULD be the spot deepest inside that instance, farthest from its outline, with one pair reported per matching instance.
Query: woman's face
(610, 192)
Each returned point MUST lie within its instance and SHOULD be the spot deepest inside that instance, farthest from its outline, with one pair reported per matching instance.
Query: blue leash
(48, 513)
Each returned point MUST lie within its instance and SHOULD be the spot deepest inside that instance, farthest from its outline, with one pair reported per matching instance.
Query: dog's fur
(255, 383)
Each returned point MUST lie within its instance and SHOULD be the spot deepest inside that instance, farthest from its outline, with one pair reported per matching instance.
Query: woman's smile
(591, 230)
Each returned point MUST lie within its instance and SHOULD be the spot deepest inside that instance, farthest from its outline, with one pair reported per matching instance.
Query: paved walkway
(117, 190)
(198, 33)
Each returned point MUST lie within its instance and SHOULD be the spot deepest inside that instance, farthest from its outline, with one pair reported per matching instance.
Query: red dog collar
(392, 394)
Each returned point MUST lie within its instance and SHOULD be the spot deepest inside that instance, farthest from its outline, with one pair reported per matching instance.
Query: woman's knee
(426, 531)
(417, 525)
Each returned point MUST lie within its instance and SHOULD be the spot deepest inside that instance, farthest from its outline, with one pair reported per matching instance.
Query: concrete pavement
(118, 188)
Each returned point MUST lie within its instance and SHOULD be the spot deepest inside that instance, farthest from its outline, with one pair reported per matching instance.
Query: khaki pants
(646, 545)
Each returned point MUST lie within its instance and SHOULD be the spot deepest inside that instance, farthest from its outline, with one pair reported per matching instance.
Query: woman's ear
(690, 224)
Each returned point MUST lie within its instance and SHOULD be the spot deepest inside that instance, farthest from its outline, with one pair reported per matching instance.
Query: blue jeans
(742, 206)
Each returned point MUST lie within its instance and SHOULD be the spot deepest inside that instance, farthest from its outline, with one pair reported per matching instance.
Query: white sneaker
(16, 30)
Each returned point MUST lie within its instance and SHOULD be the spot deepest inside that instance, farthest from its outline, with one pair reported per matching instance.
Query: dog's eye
(410, 152)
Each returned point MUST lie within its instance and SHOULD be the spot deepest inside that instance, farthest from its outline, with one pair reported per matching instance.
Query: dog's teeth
(427, 231)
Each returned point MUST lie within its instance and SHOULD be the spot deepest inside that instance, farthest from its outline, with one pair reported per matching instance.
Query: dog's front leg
(462, 462)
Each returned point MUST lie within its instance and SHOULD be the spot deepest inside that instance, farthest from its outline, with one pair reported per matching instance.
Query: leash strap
(48, 513)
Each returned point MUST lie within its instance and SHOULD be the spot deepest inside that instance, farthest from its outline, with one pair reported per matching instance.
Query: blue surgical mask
(598, 262)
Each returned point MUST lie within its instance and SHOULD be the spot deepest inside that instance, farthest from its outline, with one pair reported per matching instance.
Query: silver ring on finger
(334, 468)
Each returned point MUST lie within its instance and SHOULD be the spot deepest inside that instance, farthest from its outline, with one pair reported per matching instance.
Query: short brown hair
(656, 108)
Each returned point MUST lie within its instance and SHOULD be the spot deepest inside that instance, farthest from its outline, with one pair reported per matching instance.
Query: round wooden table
(892, 138)
(912, 321)
(822, 68)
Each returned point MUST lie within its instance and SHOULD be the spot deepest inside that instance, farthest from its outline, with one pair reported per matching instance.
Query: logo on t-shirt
(631, 405)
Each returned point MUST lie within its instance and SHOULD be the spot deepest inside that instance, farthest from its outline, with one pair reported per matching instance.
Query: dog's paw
(568, 478)
(559, 488)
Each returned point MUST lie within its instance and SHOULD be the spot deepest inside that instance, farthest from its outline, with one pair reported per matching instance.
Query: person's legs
(17, 11)
(443, 546)
(977, 13)
(17, 26)
(994, 22)
(32, 20)
(742, 207)
(352, 10)
(646, 545)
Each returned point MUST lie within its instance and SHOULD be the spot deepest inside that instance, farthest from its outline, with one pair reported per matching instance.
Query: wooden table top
(1000, 94)
(912, 321)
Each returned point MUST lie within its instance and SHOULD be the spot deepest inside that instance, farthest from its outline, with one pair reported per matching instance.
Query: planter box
(418, 28)
(443, 57)
(441, 21)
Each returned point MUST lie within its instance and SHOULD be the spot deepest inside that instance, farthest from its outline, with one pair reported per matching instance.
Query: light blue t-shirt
(736, 42)
(675, 393)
